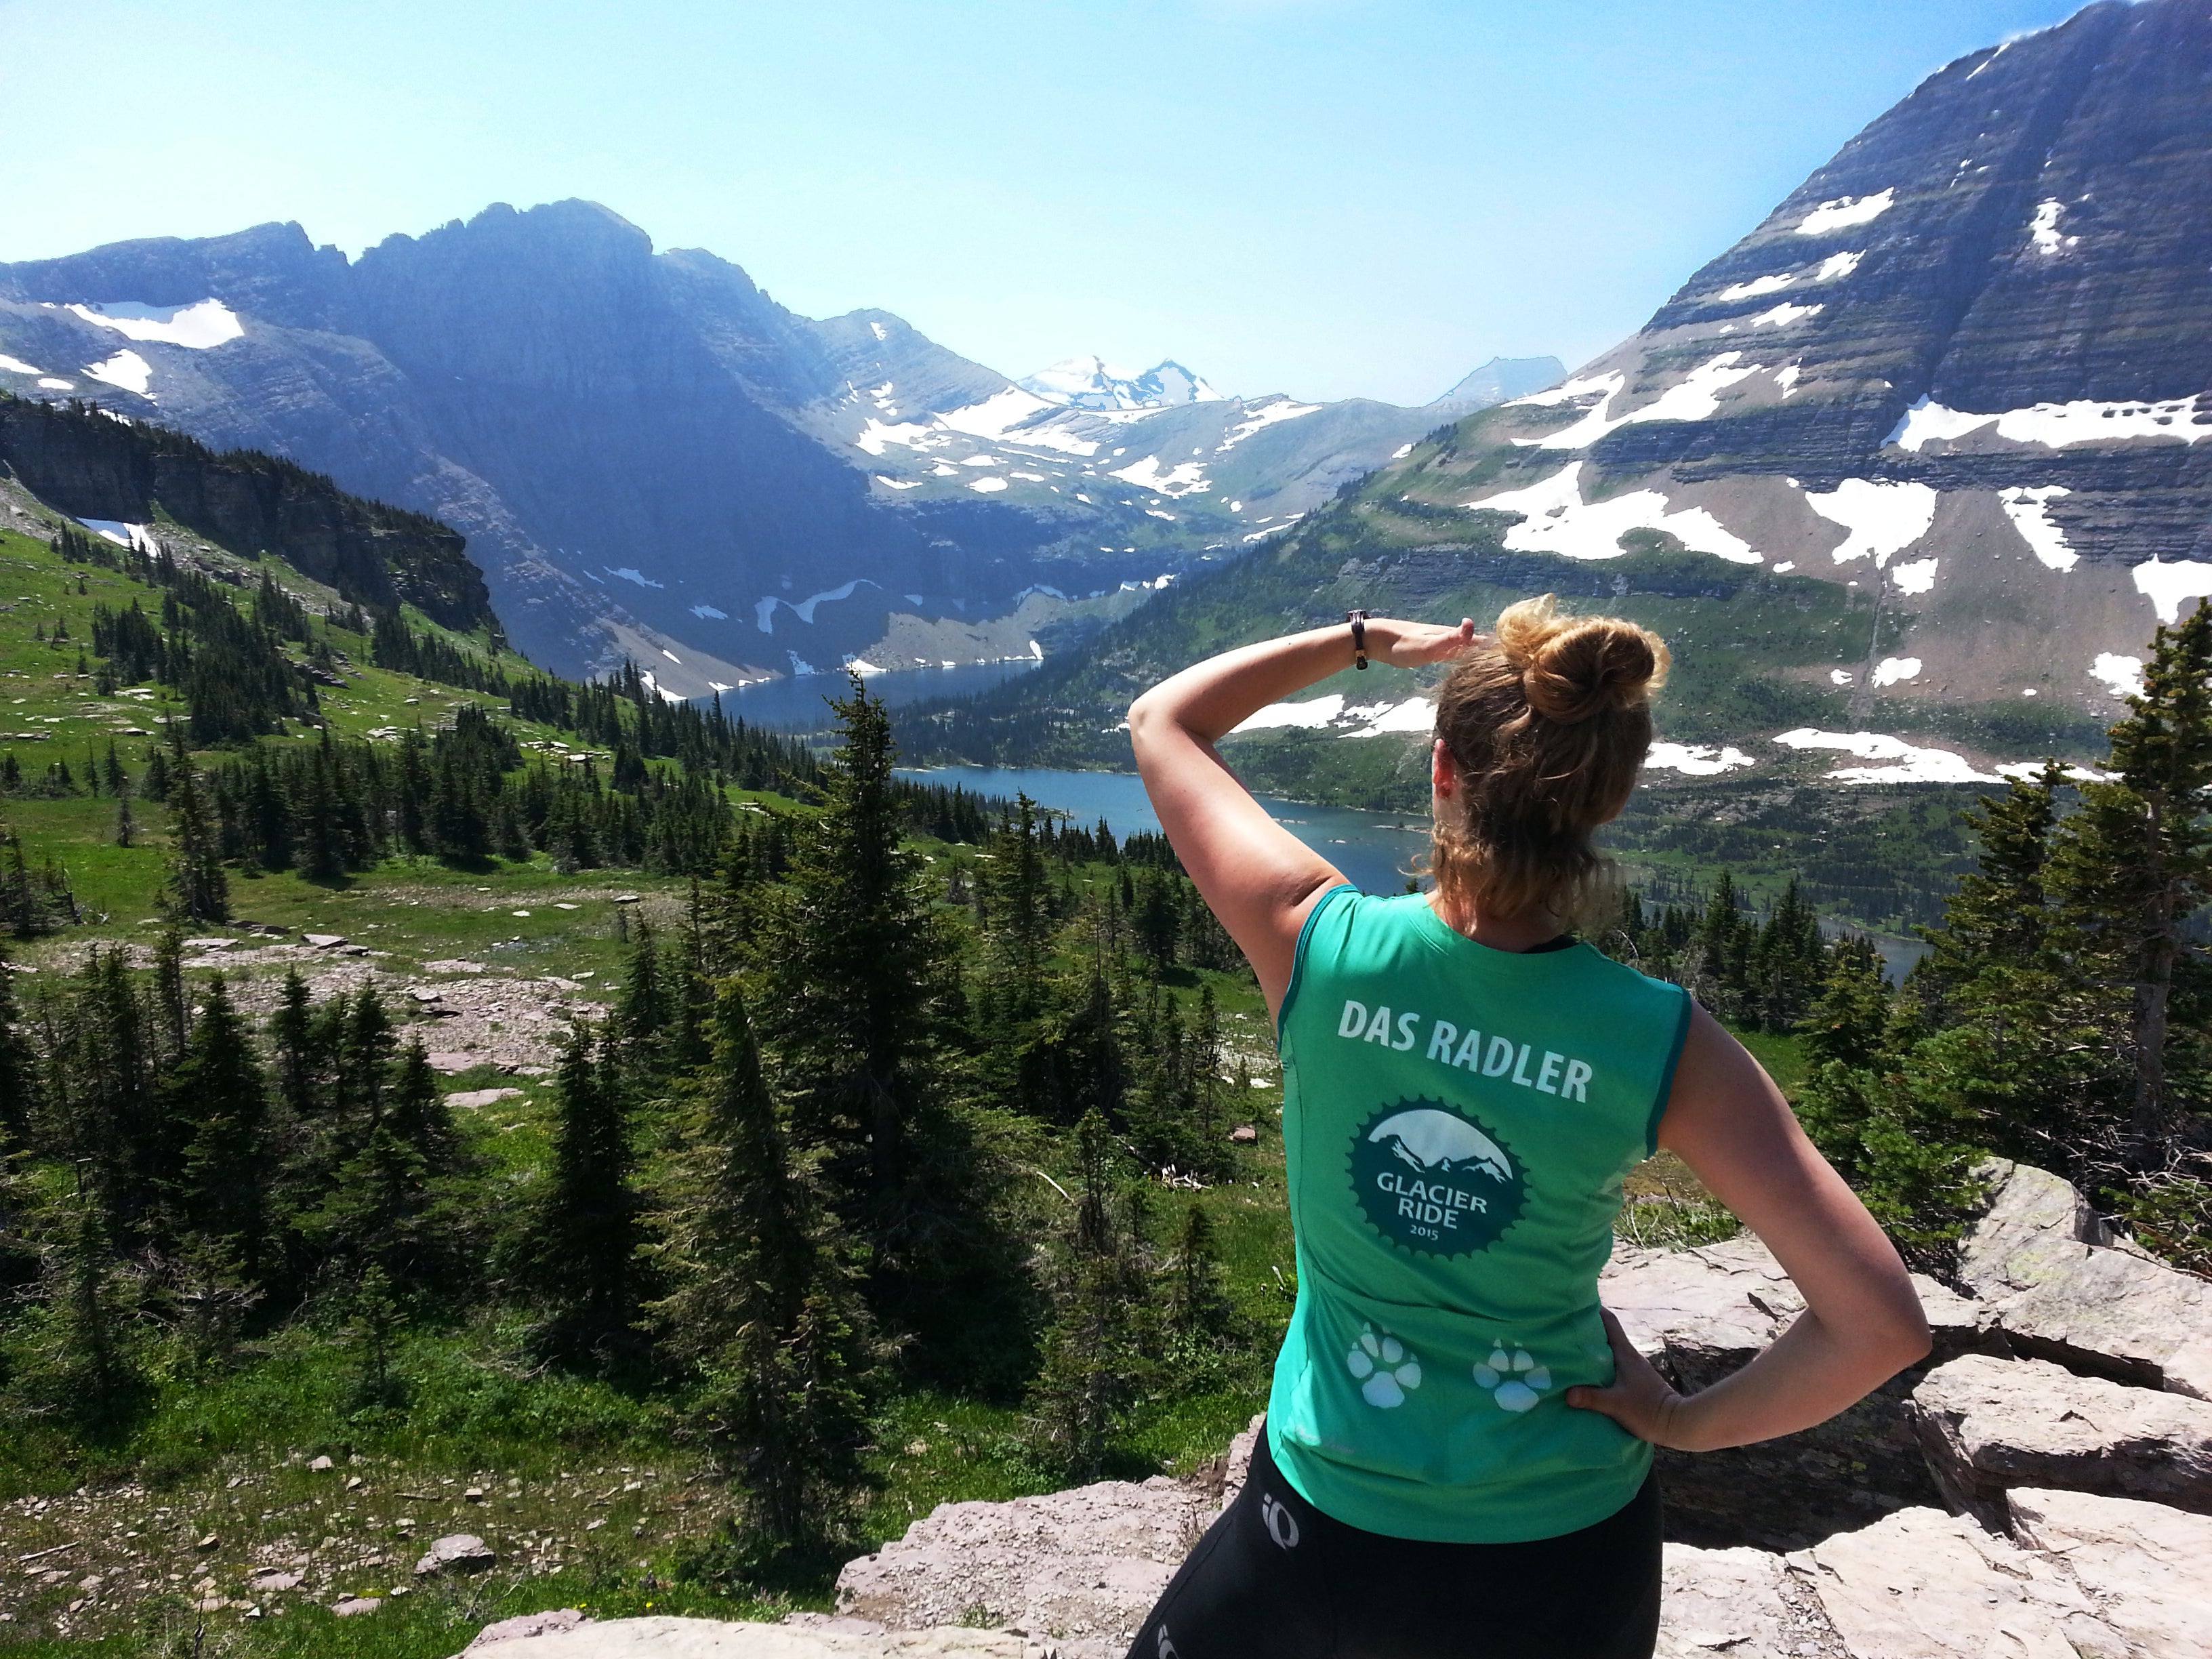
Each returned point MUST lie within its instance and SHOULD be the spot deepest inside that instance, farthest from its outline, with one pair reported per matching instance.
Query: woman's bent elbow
(1144, 716)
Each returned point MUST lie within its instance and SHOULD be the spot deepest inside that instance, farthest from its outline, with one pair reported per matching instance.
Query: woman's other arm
(1258, 878)
(1862, 1323)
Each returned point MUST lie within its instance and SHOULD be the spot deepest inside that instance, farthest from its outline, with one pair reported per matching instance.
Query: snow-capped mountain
(1962, 372)
(653, 460)
(1091, 383)
(1909, 473)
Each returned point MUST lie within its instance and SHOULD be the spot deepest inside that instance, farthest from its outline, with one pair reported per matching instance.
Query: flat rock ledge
(710, 1638)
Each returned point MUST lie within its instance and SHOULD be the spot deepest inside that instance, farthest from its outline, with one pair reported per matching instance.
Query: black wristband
(1358, 621)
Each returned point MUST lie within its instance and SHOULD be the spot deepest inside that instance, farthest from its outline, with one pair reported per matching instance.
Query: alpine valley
(654, 460)
(1907, 476)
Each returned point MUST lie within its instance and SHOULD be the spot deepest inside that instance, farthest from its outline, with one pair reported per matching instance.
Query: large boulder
(2150, 1567)
(2062, 1290)
(1699, 1314)
(712, 1638)
(1725, 1601)
(1078, 1568)
(1990, 1424)
(1922, 1585)
(460, 1552)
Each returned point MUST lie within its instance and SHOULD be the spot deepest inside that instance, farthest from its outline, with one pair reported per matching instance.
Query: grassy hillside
(146, 1535)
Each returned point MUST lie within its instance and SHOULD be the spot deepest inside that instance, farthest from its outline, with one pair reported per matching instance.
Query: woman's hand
(1639, 1398)
(1408, 645)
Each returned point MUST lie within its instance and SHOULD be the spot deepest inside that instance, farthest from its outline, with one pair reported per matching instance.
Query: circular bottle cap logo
(1434, 1181)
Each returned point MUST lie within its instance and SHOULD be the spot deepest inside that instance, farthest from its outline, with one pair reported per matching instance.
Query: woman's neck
(1523, 930)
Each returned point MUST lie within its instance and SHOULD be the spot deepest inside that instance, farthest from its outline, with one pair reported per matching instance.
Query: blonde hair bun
(1547, 724)
(1574, 667)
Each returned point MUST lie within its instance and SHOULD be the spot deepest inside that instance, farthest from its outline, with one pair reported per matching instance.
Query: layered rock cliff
(653, 459)
(96, 468)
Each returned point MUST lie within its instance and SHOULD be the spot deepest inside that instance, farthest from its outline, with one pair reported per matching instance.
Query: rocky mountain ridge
(652, 458)
(109, 472)
(1928, 440)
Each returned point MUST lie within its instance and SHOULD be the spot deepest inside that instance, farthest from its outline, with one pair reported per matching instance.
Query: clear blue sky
(1330, 197)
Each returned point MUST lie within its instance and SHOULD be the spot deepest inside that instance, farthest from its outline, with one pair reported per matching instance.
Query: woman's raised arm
(1259, 878)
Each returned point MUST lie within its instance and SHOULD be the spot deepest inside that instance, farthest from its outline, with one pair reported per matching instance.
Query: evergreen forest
(891, 1146)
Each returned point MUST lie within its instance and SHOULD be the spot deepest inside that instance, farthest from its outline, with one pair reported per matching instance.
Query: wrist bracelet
(1358, 621)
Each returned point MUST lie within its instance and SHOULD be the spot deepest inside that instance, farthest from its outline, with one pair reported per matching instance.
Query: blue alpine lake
(1375, 850)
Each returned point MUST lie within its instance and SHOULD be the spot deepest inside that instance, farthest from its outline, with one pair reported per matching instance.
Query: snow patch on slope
(1556, 520)
(1846, 210)
(126, 370)
(2031, 518)
(199, 327)
(1883, 516)
(2167, 584)
(1695, 760)
(2054, 425)
(1908, 763)
(1695, 397)
(2121, 676)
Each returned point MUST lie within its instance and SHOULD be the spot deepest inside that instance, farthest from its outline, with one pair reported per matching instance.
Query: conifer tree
(388, 1204)
(1096, 1353)
(858, 997)
(199, 889)
(2132, 867)
(19, 1069)
(766, 1306)
(217, 1092)
(171, 1015)
(1199, 1308)
(641, 1010)
(582, 1240)
(1017, 901)
(83, 1367)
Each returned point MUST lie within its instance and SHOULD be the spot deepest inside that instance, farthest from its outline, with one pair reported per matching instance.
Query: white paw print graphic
(1514, 1383)
(1384, 1367)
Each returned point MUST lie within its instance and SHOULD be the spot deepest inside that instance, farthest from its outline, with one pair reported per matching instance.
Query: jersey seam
(1299, 956)
(1667, 1077)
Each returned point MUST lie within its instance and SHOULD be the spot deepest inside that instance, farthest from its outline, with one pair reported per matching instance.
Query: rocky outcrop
(91, 467)
(2150, 1567)
(1922, 1585)
(710, 1638)
(1698, 1314)
(2062, 1290)
(1989, 1425)
(2083, 1534)
(1080, 1567)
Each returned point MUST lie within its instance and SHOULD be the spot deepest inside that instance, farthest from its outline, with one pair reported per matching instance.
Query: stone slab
(1924, 1585)
(2150, 1566)
(1989, 1425)
(711, 1638)
(1079, 1568)
(2059, 1292)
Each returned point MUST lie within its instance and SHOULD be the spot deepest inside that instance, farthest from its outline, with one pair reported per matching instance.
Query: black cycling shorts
(1275, 1578)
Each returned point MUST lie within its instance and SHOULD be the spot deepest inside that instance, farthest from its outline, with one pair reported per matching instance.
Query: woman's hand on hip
(1638, 1399)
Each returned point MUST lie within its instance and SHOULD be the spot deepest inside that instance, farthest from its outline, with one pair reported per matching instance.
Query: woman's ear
(1443, 776)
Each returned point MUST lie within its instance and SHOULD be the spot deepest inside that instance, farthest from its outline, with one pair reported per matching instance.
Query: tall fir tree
(1099, 1351)
(766, 1305)
(858, 1001)
(2129, 871)
(200, 890)
(581, 1247)
(219, 1095)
